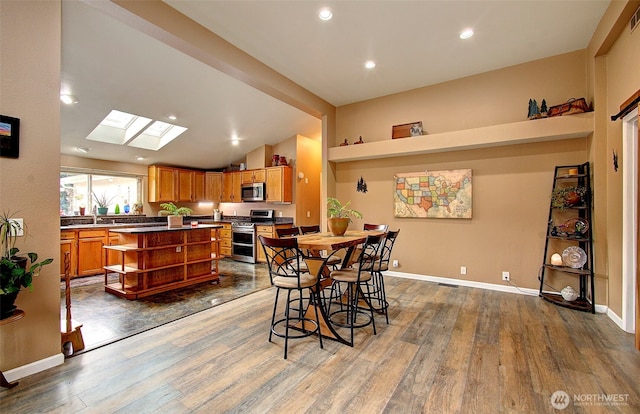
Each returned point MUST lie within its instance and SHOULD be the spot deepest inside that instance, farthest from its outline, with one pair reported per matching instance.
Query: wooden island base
(159, 259)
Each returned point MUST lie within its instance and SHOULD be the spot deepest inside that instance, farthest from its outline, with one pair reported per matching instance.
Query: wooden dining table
(315, 244)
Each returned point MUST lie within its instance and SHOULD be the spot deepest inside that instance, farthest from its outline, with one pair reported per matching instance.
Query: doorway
(629, 219)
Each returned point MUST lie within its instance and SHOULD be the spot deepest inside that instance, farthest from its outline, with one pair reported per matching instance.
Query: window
(77, 187)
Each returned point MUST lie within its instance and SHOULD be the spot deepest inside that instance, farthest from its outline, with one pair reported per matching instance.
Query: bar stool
(378, 227)
(379, 296)
(355, 278)
(284, 260)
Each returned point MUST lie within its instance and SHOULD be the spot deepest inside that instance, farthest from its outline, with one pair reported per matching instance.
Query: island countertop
(165, 228)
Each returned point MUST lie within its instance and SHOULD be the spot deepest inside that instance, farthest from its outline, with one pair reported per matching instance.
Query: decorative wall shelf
(530, 131)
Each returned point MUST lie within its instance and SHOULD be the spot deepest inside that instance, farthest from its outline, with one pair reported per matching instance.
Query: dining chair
(378, 297)
(355, 277)
(310, 229)
(378, 227)
(288, 232)
(284, 260)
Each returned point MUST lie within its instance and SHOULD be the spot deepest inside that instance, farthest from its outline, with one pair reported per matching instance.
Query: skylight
(122, 128)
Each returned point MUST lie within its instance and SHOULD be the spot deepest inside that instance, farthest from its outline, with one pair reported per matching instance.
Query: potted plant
(14, 274)
(103, 202)
(175, 214)
(339, 216)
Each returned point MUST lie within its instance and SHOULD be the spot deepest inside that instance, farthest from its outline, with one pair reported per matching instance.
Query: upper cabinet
(175, 184)
(231, 192)
(213, 186)
(253, 176)
(279, 184)
(163, 184)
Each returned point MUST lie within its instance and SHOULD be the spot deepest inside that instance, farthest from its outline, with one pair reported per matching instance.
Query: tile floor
(107, 318)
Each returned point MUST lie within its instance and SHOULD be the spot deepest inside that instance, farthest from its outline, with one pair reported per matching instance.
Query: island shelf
(152, 260)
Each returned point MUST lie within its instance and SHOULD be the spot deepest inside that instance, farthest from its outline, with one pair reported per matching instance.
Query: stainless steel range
(243, 235)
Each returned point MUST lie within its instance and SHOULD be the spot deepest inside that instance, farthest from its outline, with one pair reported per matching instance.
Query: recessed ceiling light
(140, 157)
(369, 64)
(466, 33)
(325, 14)
(68, 99)
(235, 141)
(172, 117)
(83, 150)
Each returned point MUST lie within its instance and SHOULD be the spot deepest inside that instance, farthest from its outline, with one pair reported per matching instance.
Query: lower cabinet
(68, 244)
(267, 231)
(90, 258)
(225, 240)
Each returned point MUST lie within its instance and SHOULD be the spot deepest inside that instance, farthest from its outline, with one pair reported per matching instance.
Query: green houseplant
(103, 202)
(14, 273)
(175, 214)
(340, 215)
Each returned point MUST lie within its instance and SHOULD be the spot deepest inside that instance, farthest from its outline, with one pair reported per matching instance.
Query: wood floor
(446, 350)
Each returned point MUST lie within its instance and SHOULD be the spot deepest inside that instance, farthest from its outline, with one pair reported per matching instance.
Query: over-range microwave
(253, 192)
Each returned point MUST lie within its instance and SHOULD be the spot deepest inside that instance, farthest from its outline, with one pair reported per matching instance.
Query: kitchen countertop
(109, 222)
(157, 229)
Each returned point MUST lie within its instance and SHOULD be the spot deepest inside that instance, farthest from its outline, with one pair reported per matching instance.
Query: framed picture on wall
(9, 136)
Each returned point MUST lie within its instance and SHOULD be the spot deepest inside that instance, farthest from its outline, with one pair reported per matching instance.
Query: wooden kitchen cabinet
(267, 231)
(198, 186)
(90, 259)
(163, 184)
(225, 240)
(213, 187)
(231, 188)
(68, 243)
(185, 185)
(279, 184)
(253, 176)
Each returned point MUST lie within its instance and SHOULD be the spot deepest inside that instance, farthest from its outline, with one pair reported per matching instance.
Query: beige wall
(492, 98)
(30, 90)
(511, 185)
(621, 79)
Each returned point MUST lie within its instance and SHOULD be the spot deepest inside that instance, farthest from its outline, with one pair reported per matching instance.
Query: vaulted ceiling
(108, 64)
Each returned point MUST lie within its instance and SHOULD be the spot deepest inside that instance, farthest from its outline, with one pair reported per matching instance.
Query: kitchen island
(158, 259)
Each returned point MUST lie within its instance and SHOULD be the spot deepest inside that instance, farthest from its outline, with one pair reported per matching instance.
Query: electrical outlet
(506, 276)
(463, 270)
(178, 249)
(20, 231)
(395, 263)
(308, 214)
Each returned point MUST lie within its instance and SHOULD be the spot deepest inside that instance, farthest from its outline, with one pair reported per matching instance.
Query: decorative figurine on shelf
(282, 160)
(543, 108)
(360, 141)
(137, 207)
(362, 186)
(345, 143)
(126, 207)
(534, 111)
(274, 160)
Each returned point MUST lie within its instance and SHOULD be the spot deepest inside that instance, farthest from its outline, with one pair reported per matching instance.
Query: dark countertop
(110, 222)
(158, 229)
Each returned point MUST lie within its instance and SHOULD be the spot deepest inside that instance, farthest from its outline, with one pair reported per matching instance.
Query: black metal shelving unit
(561, 236)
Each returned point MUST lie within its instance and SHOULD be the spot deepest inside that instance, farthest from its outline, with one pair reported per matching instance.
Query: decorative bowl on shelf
(574, 256)
(569, 294)
(575, 227)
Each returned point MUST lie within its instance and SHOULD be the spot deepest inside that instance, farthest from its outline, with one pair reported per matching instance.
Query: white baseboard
(34, 367)
(489, 286)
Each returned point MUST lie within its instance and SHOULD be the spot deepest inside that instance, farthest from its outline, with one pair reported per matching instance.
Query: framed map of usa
(433, 194)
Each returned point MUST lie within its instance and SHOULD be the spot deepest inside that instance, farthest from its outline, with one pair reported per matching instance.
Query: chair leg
(273, 316)
(286, 324)
(317, 298)
(383, 296)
